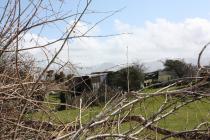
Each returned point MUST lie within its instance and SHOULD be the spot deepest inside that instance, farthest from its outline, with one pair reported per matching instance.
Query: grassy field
(184, 119)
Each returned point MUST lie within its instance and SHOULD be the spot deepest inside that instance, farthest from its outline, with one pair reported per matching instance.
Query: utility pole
(128, 73)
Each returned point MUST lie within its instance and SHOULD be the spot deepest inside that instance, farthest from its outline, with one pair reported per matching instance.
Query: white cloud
(165, 39)
(155, 40)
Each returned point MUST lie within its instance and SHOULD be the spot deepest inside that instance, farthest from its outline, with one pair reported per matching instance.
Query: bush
(180, 68)
(119, 79)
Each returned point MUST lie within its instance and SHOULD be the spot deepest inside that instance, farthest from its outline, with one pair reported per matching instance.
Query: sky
(136, 12)
(155, 30)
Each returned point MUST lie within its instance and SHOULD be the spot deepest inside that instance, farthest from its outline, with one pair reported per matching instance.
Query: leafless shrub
(23, 90)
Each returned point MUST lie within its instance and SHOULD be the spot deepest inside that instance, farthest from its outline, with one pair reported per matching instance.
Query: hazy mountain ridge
(149, 66)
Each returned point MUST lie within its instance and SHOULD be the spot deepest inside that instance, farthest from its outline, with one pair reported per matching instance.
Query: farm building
(98, 80)
(87, 85)
(158, 77)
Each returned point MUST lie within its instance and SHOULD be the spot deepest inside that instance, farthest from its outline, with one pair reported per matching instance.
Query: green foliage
(119, 79)
(179, 68)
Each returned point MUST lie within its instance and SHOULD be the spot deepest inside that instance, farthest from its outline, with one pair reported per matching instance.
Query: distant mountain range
(99, 68)
(149, 66)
